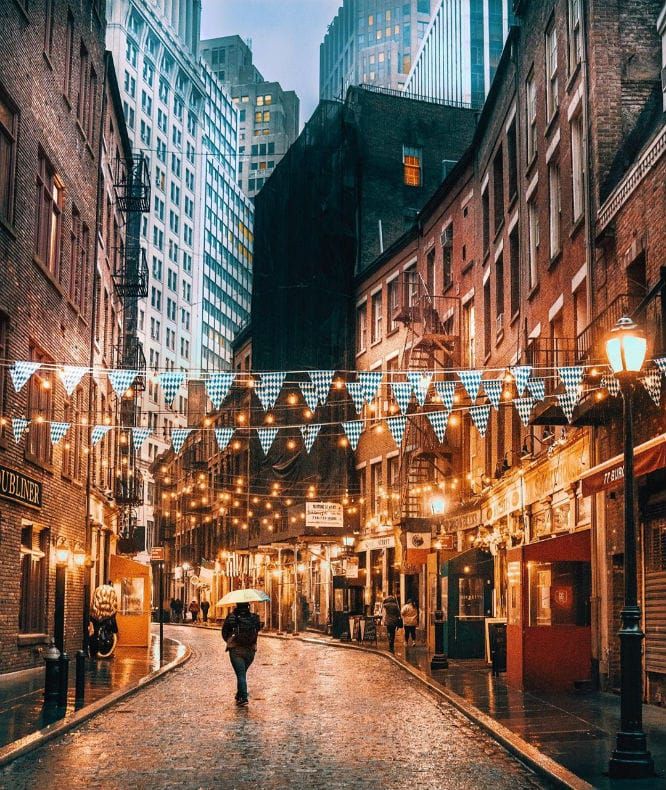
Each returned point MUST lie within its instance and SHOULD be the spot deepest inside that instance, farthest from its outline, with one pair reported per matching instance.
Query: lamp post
(62, 555)
(438, 660)
(626, 348)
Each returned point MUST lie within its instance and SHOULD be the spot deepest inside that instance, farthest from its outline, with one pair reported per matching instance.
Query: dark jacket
(391, 611)
(229, 626)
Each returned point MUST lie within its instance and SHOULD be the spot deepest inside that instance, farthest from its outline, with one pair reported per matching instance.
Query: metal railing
(589, 341)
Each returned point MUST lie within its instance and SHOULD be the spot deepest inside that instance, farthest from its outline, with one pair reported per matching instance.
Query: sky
(285, 38)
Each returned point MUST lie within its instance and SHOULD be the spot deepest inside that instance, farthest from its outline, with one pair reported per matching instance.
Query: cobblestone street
(319, 717)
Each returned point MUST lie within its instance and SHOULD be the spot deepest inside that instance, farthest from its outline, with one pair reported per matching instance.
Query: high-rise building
(371, 42)
(268, 116)
(179, 118)
(459, 54)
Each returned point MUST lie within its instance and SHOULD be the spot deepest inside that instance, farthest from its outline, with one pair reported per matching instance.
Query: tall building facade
(458, 56)
(268, 117)
(371, 42)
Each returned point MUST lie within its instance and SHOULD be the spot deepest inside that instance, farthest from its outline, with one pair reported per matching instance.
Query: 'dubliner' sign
(19, 488)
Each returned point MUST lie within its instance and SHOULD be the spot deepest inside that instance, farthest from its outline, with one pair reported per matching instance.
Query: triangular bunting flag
(139, 436)
(420, 384)
(568, 402)
(652, 383)
(268, 390)
(572, 378)
(439, 420)
(178, 436)
(121, 380)
(493, 389)
(537, 388)
(19, 424)
(98, 433)
(322, 380)
(71, 376)
(370, 382)
(266, 438)
(446, 391)
(524, 406)
(471, 380)
(309, 394)
(353, 431)
(223, 436)
(397, 427)
(479, 415)
(171, 382)
(355, 389)
(521, 374)
(309, 433)
(21, 371)
(402, 392)
(611, 384)
(218, 386)
(58, 430)
(660, 362)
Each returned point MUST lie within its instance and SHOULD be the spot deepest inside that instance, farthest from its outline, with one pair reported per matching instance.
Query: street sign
(157, 554)
(323, 514)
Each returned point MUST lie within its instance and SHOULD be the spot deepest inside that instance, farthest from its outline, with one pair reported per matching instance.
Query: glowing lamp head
(79, 555)
(62, 552)
(437, 505)
(626, 348)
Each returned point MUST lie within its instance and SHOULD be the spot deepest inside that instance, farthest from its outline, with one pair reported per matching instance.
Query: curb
(34, 740)
(528, 754)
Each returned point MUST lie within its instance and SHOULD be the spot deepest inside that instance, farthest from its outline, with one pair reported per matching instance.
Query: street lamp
(438, 660)
(62, 555)
(626, 348)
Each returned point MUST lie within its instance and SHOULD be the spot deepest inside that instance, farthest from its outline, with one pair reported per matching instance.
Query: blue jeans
(241, 658)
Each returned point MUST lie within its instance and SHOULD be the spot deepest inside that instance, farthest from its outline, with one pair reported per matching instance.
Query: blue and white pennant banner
(480, 415)
(309, 433)
(397, 427)
(21, 371)
(572, 378)
(446, 390)
(309, 395)
(58, 430)
(171, 381)
(402, 392)
(652, 383)
(19, 425)
(139, 436)
(322, 380)
(370, 381)
(420, 382)
(524, 407)
(439, 421)
(521, 374)
(223, 437)
(353, 431)
(178, 437)
(71, 376)
(355, 390)
(537, 388)
(98, 433)
(493, 389)
(269, 388)
(471, 380)
(121, 380)
(218, 386)
(266, 438)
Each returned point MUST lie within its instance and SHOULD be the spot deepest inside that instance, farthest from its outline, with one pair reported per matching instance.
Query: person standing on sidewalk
(205, 606)
(391, 619)
(240, 631)
(410, 618)
(194, 610)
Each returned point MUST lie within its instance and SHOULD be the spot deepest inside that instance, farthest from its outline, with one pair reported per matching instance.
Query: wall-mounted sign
(19, 488)
(157, 554)
(323, 514)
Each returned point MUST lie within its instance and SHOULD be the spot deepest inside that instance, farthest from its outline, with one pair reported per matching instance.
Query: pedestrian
(194, 610)
(205, 606)
(178, 610)
(173, 606)
(391, 619)
(240, 631)
(410, 619)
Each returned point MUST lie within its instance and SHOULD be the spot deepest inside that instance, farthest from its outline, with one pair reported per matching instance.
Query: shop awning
(648, 456)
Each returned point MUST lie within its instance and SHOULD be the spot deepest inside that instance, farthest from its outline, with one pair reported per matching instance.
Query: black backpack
(245, 629)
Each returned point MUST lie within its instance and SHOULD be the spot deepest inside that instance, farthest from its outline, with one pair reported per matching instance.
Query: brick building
(51, 79)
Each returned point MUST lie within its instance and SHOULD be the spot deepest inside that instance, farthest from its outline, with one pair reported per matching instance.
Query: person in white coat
(410, 619)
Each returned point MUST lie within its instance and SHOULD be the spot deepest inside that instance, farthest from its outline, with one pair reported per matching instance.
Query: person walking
(194, 610)
(205, 606)
(410, 618)
(391, 619)
(240, 631)
(178, 610)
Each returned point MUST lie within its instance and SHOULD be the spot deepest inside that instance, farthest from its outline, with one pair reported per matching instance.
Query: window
(148, 73)
(69, 56)
(156, 298)
(430, 272)
(187, 292)
(157, 268)
(575, 35)
(267, 116)
(498, 189)
(184, 318)
(171, 309)
(531, 94)
(40, 410)
(551, 71)
(49, 206)
(447, 257)
(48, 28)
(376, 326)
(393, 296)
(8, 130)
(172, 280)
(376, 487)
(174, 222)
(487, 319)
(469, 333)
(411, 162)
(361, 327)
(178, 107)
(559, 593)
(533, 240)
(34, 576)
(512, 154)
(159, 208)
(82, 97)
(78, 263)
(146, 133)
(485, 220)
(554, 207)
(177, 137)
(514, 264)
(164, 90)
(499, 293)
(146, 103)
(577, 166)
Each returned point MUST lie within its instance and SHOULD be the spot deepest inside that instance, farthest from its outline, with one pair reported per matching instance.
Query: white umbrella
(243, 596)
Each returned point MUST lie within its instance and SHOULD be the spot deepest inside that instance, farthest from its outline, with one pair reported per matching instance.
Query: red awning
(648, 456)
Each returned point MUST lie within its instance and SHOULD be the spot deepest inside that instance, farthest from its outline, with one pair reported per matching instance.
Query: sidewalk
(22, 709)
(576, 730)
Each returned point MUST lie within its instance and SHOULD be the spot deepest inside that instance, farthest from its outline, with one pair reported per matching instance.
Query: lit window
(376, 317)
(411, 161)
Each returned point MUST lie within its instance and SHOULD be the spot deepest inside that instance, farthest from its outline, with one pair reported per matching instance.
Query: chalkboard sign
(369, 629)
(497, 638)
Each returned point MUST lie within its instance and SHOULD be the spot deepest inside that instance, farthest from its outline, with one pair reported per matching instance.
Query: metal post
(631, 759)
(161, 613)
(63, 679)
(51, 672)
(280, 592)
(59, 608)
(295, 601)
(80, 677)
(439, 659)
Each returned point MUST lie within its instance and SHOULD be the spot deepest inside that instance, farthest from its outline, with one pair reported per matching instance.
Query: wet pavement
(319, 717)
(22, 709)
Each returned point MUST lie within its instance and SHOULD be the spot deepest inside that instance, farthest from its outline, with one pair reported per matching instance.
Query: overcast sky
(285, 38)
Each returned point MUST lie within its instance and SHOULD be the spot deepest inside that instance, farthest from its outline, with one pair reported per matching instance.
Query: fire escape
(432, 343)
(132, 192)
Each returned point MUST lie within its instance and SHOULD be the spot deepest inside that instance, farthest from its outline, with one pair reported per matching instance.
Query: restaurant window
(48, 209)
(470, 597)
(33, 580)
(40, 411)
(559, 593)
(8, 130)
(376, 317)
(411, 162)
(361, 327)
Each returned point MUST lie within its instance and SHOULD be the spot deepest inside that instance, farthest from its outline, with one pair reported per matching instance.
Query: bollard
(52, 672)
(80, 676)
(63, 680)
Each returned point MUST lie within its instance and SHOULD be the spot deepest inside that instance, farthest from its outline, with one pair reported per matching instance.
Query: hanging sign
(19, 488)
(323, 514)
